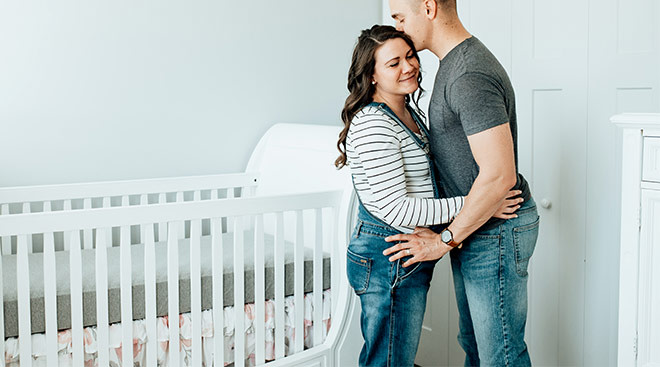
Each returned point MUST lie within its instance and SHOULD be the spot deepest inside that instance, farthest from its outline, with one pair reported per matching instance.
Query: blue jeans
(490, 280)
(393, 298)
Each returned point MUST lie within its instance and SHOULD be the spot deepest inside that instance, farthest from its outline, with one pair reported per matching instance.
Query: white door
(550, 76)
(573, 64)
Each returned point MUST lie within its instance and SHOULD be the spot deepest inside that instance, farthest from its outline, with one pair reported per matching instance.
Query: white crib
(84, 257)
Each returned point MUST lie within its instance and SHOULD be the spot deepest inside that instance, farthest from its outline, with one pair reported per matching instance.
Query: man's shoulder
(470, 57)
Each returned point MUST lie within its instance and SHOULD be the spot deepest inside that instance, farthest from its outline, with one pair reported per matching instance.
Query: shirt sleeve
(479, 102)
(379, 148)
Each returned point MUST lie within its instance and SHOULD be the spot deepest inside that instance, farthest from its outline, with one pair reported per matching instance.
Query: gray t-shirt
(472, 93)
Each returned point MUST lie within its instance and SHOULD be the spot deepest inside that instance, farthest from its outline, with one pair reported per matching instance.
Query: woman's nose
(408, 66)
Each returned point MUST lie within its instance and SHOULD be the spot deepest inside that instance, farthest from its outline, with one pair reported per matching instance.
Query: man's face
(410, 17)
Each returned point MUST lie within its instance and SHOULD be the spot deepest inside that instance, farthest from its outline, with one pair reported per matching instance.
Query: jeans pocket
(524, 241)
(405, 272)
(358, 269)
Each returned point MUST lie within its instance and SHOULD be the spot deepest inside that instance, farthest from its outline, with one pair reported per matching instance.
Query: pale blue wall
(108, 90)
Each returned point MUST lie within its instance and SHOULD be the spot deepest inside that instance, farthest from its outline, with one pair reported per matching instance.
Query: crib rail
(42, 193)
(247, 213)
(35, 223)
(47, 198)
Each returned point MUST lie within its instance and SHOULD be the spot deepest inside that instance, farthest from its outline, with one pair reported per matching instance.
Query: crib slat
(102, 327)
(126, 294)
(143, 201)
(108, 234)
(335, 254)
(26, 209)
(259, 294)
(298, 258)
(239, 295)
(230, 195)
(196, 291)
(75, 266)
(87, 232)
(173, 291)
(150, 294)
(182, 224)
(218, 313)
(318, 278)
(6, 240)
(162, 227)
(23, 281)
(67, 239)
(279, 285)
(50, 297)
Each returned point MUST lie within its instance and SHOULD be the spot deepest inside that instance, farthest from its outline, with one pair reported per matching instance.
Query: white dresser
(639, 274)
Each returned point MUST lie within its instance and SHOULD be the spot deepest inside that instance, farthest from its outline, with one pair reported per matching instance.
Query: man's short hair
(446, 4)
(442, 4)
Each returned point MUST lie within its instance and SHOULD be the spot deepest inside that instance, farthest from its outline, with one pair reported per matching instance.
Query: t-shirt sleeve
(478, 101)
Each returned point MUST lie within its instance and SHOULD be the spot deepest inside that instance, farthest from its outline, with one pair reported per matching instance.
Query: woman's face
(396, 68)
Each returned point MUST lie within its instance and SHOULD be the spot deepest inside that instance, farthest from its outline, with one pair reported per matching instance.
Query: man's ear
(430, 8)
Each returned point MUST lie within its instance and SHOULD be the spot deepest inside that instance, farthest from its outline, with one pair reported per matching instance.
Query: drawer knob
(546, 204)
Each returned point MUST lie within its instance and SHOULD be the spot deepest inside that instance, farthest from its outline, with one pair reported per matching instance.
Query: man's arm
(493, 152)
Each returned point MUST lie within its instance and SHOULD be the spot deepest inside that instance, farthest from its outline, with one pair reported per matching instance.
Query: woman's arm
(375, 140)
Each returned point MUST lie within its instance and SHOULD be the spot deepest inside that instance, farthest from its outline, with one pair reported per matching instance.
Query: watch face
(446, 236)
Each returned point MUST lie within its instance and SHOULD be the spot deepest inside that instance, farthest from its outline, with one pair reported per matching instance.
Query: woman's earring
(373, 82)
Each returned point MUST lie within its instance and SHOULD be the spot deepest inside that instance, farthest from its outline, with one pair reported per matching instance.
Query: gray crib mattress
(36, 273)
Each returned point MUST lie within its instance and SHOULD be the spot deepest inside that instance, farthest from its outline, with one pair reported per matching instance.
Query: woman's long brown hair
(360, 76)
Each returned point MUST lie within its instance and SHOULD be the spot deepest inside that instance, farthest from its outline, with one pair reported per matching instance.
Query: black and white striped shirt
(391, 173)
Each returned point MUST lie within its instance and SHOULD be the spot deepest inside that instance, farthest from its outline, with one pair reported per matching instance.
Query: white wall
(107, 90)
(573, 63)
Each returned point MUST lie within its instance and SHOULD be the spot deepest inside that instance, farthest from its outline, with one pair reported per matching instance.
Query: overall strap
(425, 147)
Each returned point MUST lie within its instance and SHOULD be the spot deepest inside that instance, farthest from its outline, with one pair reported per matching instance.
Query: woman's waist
(365, 225)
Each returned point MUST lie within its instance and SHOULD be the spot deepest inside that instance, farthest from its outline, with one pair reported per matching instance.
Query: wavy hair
(360, 75)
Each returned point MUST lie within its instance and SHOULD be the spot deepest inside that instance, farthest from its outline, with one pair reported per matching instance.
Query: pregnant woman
(385, 144)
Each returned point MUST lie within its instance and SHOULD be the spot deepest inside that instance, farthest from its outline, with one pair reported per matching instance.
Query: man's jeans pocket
(524, 240)
(358, 269)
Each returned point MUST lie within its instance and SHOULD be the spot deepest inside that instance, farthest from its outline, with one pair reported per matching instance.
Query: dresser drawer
(651, 159)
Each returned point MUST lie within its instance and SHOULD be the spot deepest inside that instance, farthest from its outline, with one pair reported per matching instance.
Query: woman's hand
(509, 206)
(421, 245)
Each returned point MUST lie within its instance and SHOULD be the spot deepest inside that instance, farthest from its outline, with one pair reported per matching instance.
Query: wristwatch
(447, 237)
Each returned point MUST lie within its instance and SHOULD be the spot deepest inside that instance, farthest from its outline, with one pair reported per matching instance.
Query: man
(473, 129)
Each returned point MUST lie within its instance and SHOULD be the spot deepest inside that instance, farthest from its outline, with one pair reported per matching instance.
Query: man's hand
(423, 244)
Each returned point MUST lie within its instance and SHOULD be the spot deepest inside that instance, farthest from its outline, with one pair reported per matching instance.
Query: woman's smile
(408, 78)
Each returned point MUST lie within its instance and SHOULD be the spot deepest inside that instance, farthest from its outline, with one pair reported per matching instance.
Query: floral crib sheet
(12, 358)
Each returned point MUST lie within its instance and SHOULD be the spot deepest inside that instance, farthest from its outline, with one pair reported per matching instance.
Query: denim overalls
(393, 298)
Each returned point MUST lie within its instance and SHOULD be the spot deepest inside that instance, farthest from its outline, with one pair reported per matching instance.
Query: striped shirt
(391, 173)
